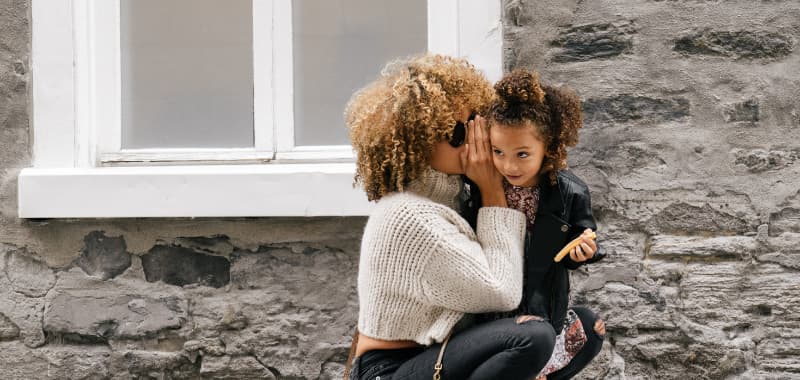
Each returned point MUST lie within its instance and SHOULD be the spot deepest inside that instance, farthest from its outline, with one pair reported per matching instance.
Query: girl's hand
(476, 158)
(585, 250)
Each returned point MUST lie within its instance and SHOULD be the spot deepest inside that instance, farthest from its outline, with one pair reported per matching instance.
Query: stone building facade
(691, 148)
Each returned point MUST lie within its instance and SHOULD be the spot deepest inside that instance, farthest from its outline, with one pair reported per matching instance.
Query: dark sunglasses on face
(460, 133)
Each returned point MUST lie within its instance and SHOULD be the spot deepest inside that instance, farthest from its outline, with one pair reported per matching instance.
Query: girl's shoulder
(570, 181)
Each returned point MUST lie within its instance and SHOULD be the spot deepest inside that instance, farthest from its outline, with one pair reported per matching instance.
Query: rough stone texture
(594, 41)
(83, 309)
(690, 149)
(8, 330)
(744, 111)
(182, 266)
(27, 275)
(785, 220)
(287, 314)
(22, 313)
(234, 368)
(626, 108)
(759, 160)
(103, 256)
(737, 44)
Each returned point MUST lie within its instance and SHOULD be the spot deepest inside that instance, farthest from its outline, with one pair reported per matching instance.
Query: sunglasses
(460, 133)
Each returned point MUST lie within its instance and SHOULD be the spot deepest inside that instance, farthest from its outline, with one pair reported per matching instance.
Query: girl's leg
(594, 342)
(501, 349)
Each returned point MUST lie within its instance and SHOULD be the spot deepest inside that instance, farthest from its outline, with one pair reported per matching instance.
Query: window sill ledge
(191, 191)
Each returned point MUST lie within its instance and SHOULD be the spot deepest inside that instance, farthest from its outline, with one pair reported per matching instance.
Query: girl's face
(518, 153)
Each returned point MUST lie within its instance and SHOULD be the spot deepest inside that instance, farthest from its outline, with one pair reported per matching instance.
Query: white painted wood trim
(443, 27)
(53, 91)
(468, 28)
(284, 75)
(263, 76)
(480, 35)
(191, 191)
(176, 156)
(100, 65)
(321, 153)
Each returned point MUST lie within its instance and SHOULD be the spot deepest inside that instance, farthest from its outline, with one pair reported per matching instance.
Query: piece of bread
(574, 243)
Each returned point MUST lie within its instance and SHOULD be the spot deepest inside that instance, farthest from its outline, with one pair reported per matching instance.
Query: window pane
(187, 73)
(339, 46)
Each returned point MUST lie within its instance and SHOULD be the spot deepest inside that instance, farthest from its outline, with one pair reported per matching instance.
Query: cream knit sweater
(422, 267)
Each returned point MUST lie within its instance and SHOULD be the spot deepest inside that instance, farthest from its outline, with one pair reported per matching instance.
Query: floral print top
(525, 199)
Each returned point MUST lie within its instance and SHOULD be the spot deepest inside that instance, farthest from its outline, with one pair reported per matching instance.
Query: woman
(422, 267)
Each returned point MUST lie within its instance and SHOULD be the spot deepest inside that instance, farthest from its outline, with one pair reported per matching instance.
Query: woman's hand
(527, 318)
(476, 158)
(585, 250)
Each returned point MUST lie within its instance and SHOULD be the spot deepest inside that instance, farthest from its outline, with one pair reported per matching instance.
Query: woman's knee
(537, 335)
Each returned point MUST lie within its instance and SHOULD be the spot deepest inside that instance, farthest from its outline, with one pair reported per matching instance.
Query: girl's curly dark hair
(396, 120)
(553, 112)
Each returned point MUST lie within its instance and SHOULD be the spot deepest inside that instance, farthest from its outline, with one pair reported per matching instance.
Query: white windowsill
(192, 191)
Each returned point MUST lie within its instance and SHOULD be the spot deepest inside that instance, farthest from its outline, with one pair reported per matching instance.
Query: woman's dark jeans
(501, 349)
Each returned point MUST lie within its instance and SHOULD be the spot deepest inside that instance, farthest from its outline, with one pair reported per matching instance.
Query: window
(177, 108)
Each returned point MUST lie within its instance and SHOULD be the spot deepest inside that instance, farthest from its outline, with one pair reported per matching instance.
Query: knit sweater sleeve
(471, 276)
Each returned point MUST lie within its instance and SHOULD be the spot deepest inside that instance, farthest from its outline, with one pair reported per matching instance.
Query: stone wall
(691, 150)
(177, 299)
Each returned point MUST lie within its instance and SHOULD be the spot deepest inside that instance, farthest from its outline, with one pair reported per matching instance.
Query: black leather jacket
(565, 211)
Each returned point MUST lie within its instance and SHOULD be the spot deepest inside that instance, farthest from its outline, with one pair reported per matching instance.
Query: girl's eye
(497, 151)
(522, 154)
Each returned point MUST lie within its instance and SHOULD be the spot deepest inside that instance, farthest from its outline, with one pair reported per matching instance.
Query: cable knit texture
(422, 267)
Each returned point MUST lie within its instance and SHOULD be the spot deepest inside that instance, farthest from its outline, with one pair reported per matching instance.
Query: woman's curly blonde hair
(554, 112)
(395, 121)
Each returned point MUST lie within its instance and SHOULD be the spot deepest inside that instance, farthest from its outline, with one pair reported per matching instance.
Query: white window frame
(80, 170)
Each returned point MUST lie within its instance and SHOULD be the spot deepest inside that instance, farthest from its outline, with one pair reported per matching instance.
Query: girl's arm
(581, 218)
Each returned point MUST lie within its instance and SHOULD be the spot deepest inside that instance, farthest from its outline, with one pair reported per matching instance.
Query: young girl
(531, 127)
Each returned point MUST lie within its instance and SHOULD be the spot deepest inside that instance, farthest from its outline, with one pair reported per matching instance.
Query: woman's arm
(477, 276)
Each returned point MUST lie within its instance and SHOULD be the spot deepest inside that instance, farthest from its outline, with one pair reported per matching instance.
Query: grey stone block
(235, 368)
(627, 108)
(683, 218)
(594, 41)
(738, 44)
(747, 111)
(137, 364)
(27, 275)
(8, 330)
(760, 160)
(103, 256)
(182, 266)
(84, 310)
(785, 220)
(695, 247)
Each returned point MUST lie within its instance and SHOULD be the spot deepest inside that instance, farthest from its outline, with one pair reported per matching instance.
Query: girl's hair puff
(395, 121)
(554, 113)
